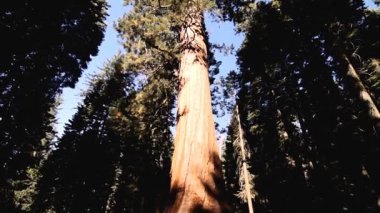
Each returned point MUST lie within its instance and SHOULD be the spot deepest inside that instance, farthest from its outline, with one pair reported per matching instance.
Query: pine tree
(45, 47)
(78, 173)
(115, 153)
(308, 136)
(237, 154)
(145, 166)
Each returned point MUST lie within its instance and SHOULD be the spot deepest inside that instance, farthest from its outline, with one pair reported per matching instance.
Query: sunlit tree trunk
(196, 168)
(247, 184)
(363, 95)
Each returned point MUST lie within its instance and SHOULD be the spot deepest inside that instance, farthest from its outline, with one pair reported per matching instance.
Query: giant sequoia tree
(196, 174)
(45, 47)
(157, 34)
(304, 134)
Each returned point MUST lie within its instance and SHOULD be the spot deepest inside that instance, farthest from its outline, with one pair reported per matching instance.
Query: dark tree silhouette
(114, 155)
(78, 174)
(45, 47)
(312, 137)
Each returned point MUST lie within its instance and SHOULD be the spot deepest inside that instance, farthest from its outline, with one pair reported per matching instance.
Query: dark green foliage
(314, 148)
(231, 172)
(115, 152)
(151, 33)
(144, 185)
(233, 166)
(79, 172)
(44, 47)
(238, 11)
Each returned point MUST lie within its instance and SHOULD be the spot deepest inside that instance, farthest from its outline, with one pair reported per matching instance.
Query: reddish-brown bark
(196, 168)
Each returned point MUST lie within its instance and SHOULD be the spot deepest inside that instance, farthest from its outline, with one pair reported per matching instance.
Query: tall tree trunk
(363, 95)
(196, 178)
(245, 168)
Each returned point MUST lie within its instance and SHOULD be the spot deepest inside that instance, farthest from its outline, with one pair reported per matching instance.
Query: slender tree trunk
(196, 169)
(245, 169)
(111, 197)
(363, 95)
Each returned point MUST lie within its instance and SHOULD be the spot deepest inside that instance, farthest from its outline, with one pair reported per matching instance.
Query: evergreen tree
(114, 155)
(78, 174)
(159, 33)
(314, 149)
(144, 182)
(235, 165)
(45, 47)
(305, 124)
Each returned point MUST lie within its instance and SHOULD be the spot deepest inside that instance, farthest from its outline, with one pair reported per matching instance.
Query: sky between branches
(219, 33)
(222, 32)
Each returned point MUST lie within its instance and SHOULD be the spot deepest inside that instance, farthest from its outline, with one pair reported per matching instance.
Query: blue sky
(219, 33)
(370, 3)
(109, 47)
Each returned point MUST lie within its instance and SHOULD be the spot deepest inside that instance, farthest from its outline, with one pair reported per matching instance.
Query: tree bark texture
(196, 177)
(247, 184)
(362, 94)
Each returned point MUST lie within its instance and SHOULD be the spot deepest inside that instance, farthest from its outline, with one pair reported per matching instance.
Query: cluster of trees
(304, 133)
(116, 146)
(45, 46)
(308, 94)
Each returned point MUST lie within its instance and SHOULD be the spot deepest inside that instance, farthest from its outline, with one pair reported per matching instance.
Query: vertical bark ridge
(196, 168)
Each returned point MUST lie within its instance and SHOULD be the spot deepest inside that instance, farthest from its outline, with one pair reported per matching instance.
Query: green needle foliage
(115, 153)
(147, 118)
(78, 173)
(314, 146)
(151, 33)
(45, 47)
(306, 91)
(233, 166)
